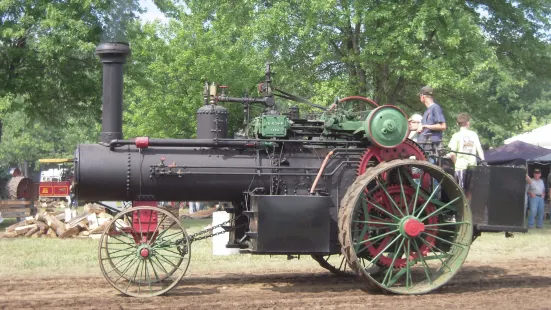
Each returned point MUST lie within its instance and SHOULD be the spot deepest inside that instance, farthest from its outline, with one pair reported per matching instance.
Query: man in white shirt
(464, 141)
(536, 196)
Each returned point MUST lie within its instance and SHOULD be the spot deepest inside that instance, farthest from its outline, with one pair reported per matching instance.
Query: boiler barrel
(199, 174)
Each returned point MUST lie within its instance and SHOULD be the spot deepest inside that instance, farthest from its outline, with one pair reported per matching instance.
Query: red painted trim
(373, 103)
(142, 142)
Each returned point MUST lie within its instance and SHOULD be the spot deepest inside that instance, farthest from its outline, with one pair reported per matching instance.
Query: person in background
(464, 141)
(549, 185)
(198, 206)
(433, 124)
(432, 128)
(536, 196)
(413, 123)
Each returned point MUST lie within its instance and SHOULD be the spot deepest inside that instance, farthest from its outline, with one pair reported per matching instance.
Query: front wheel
(144, 252)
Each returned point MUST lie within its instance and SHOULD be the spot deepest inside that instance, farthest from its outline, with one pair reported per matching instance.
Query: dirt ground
(513, 284)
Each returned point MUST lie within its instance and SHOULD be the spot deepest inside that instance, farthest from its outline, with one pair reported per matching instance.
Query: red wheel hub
(144, 253)
(413, 227)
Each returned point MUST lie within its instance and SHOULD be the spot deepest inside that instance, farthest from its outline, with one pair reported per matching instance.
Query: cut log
(54, 223)
(60, 217)
(74, 222)
(51, 233)
(10, 234)
(94, 208)
(83, 225)
(32, 231)
(42, 228)
(12, 227)
(70, 232)
(40, 217)
(101, 228)
(22, 230)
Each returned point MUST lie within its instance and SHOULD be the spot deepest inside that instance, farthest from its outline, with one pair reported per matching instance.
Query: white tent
(540, 136)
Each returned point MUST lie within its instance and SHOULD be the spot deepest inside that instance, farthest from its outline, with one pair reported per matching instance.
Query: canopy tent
(543, 163)
(543, 159)
(540, 136)
(517, 153)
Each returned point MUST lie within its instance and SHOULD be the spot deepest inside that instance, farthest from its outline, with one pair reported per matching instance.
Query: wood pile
(49, 204)
(90, 224)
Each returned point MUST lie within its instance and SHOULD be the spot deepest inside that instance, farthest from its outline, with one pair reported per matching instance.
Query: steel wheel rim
(144, 269)
(408, 236)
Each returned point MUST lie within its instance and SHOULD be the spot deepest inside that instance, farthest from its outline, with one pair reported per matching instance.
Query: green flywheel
(386, 126)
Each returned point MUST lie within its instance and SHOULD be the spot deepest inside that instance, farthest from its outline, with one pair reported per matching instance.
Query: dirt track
(518, 284)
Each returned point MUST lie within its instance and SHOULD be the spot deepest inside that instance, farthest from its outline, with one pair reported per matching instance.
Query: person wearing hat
(414, 122)
(433, 123)
(536, 196)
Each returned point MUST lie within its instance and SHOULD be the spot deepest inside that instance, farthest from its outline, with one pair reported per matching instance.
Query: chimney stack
(113, 56)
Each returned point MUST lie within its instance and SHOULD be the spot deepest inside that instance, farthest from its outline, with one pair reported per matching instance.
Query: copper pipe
(320, 171)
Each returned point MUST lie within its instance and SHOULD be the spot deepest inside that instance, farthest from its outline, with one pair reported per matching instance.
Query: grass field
(45, 257)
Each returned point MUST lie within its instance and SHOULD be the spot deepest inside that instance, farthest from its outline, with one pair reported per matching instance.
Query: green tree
(24, 139)
(487, 58)
(50, 93)
(47, 53)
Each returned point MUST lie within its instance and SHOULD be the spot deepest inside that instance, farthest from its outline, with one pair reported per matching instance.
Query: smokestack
(113, 56)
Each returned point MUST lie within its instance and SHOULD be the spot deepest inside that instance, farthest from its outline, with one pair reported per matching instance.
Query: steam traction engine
(346, 184)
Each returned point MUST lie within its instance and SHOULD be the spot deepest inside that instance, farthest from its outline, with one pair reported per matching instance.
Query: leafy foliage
(488, 58)
(50, 77)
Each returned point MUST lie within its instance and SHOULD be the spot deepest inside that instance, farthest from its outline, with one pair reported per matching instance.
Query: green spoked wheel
(418, 234)
(144, 252)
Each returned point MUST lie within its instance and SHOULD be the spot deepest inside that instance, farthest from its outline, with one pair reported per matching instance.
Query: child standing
(464, 141)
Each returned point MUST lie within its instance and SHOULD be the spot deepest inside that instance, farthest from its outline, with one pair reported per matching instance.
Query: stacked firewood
(49, 204)
(90, 224)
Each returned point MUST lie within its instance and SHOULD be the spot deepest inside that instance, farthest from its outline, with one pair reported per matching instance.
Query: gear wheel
(375, 155)
(375, 248)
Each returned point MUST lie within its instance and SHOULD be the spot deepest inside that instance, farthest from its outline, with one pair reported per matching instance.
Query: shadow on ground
(468, 280)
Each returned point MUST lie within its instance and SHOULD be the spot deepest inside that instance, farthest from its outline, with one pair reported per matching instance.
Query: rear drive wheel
(399, 226)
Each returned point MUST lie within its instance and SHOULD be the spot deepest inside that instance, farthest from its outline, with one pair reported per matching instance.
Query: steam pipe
(265, 100)
(144, 142)
(113, 56)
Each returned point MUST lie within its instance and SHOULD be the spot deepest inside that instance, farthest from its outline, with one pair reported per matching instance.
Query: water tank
(212, 122)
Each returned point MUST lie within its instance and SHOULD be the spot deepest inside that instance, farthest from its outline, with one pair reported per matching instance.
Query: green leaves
(488, 58)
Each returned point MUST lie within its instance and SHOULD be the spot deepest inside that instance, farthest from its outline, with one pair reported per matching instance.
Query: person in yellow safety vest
(464, 141)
